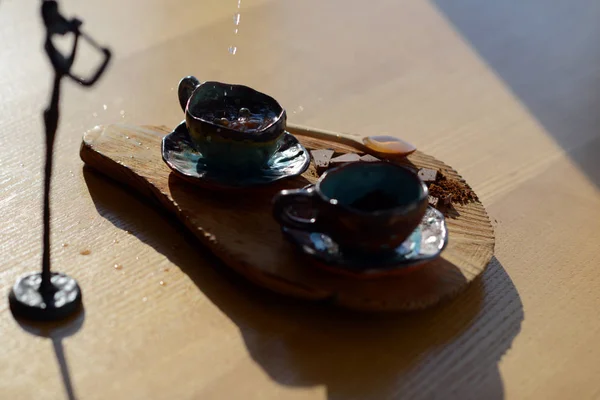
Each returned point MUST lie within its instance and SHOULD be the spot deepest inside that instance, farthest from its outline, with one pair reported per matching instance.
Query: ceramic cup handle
(287, 200)
(186, 87)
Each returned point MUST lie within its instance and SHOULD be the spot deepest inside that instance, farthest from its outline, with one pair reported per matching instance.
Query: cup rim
(280, 116)
(398, 210)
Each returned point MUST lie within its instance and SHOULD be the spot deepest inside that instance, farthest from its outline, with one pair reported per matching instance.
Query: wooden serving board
(239, 229)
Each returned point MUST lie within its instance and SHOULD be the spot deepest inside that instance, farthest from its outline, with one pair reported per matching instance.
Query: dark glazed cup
(221, 146)
(364, 207)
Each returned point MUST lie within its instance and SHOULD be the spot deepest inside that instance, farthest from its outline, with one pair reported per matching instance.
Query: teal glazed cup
(363, 207)
(228, 147)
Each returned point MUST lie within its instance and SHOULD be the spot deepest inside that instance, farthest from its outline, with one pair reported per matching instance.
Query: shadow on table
(450, 351)
(547, 53)
(57, 332)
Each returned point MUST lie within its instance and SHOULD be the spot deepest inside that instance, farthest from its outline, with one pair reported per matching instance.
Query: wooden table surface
(506, 92)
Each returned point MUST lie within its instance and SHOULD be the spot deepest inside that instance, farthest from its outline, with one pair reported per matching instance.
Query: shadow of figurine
(57, 332)
(448, 351)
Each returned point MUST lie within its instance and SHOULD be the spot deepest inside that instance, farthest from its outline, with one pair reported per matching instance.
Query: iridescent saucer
(423, 245)
(291, 159)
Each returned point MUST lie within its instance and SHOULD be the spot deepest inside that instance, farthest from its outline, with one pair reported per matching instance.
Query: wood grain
(239, 229)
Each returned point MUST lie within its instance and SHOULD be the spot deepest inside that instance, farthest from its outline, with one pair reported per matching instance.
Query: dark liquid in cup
(374, 201)
(242, 119)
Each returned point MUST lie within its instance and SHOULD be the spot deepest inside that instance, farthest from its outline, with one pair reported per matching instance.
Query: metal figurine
(48, 295)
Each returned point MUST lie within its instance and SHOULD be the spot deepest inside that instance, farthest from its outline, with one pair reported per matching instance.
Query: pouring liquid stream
(236, 21)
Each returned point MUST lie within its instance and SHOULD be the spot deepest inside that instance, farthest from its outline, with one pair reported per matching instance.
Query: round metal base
(60, 300)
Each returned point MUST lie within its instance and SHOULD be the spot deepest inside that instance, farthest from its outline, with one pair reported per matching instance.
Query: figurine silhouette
(37, 296)
(56, 24)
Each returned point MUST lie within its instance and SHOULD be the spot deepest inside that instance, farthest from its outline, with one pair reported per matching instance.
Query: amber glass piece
(388, 145)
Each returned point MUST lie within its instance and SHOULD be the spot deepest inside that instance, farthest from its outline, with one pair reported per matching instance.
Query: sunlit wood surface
(506, 92)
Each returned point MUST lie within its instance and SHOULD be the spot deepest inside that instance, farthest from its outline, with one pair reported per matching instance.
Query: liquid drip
(236, 21)
(388, 145)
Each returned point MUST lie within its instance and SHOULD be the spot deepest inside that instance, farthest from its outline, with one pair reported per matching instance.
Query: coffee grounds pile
(444, 187)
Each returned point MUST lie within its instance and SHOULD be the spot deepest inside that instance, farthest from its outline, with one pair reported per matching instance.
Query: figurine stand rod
(51, 116)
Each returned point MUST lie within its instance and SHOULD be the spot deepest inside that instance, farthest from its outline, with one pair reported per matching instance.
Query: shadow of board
(547, 53)
(449, 351)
